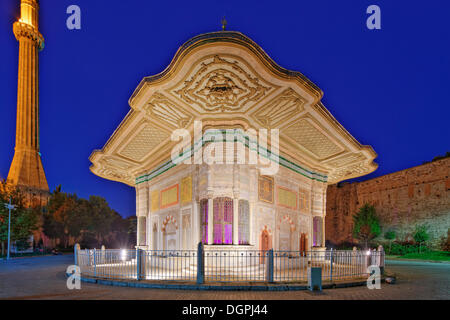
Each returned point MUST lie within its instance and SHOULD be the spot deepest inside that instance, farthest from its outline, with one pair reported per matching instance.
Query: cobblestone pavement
(43, 278)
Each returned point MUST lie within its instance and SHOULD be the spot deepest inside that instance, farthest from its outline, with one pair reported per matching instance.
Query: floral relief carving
(161, 108)
(143, 143)
(222, 85)
(115, 174)
(308, 136)
(285, 106)
(359, 168)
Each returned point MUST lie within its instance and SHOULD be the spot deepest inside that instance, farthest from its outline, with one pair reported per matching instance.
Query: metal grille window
(317, 232)
(223, 221)
(155, 237)
(244, 222)
(204, 220)
(142, 228)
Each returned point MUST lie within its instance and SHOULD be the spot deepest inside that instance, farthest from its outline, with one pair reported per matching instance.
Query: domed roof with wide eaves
(226, 80)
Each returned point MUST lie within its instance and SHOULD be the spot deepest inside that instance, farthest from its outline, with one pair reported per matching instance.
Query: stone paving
(43, 278)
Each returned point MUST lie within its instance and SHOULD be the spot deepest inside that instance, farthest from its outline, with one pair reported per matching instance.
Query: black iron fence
(215, 265)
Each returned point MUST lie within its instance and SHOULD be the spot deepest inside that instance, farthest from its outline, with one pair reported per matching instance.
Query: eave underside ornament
(161, 108)
(283, 107)
(222, 85)
(304, 133)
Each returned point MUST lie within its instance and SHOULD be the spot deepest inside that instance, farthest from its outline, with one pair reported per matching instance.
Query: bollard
(314, 278)
(269, 266)
(200, 264)
(140, 264)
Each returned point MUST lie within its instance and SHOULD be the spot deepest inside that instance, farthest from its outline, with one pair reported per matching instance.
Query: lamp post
(9, 206)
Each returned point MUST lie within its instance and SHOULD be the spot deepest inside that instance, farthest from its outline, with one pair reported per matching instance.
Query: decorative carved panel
(356, 169)
(169, 196)
(116, 163)
(265, 189)
(145, 141)
(286, 198)
(221, 84)
(346, 159)
(155, 200)
(285, 106)
(186, 189)
(312, 139)
(304, 196)
(304, 223)
(161, 108)
(115, 169)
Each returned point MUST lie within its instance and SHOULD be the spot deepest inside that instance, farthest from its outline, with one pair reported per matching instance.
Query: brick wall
(418, 195)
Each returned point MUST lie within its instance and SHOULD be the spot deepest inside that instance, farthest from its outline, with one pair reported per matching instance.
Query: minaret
(26, 170)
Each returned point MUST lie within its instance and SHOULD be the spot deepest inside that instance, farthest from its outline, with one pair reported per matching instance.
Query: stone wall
(404, 199)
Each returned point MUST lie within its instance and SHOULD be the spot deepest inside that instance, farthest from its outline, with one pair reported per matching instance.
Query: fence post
(368, 259)
(269, 266)
(200, 264)
(76, 248)
(95, 263)
(103, 250)
(139, 264)
(381, 258)
(331, 264)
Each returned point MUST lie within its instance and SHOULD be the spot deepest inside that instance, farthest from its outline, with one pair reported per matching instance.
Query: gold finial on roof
(224, 24)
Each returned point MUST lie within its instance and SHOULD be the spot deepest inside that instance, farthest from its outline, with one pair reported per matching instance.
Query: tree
(132, 229)
(366, 225)
(103, 218)
(421, 235)
(390, 235)
(57, 222)
(90, 221)
(24, 221)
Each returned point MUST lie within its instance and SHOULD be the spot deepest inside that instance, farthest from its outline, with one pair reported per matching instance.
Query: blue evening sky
(389, 88)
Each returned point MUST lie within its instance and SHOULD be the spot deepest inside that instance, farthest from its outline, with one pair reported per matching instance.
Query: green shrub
(431, 255)
(421, 235)
(390, 235)
(366, 224)
(444, 244)
(402, 248)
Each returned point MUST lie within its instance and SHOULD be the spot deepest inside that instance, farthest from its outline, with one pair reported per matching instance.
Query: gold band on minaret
(26, 169)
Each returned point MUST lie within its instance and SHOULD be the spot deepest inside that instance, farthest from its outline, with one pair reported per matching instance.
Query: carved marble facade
(226, 81)
(181, 224)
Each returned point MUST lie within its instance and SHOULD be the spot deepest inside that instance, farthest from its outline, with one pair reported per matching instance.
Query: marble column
(251, 238)
(323, 231)
(196, 228)
(210, 221)
(235, 221)
(236, 186)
